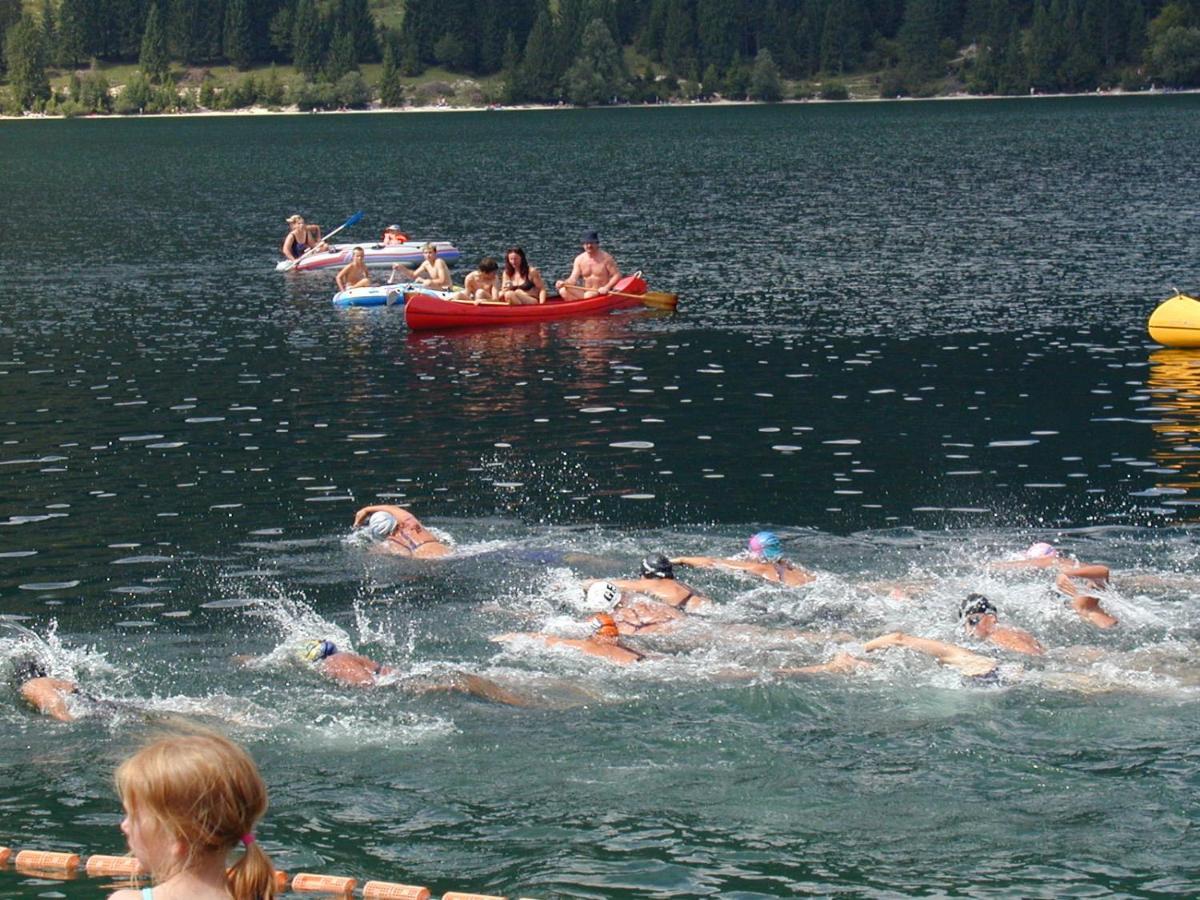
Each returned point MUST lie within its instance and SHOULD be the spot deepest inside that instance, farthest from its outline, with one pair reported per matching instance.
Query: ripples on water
(911, 338)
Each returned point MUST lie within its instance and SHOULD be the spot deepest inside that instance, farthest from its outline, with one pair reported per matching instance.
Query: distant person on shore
(393, 236)
(301, 238)
(398, 531)
(431, 273)
(766, 561)
(190, 799)
(482, 285)
(360, 671)
(354, 274)
(658, 581)
(522, 283)
(1070, 570)
(595, 268)
(604, 642)
(978, 616)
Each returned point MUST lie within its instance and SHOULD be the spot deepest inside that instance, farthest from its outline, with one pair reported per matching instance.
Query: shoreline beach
(527, 107)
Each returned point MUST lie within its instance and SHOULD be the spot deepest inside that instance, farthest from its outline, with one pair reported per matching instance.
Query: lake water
(911, 339)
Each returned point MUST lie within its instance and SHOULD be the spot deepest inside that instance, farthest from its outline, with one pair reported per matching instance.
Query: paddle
(350, 221)
(653, 299)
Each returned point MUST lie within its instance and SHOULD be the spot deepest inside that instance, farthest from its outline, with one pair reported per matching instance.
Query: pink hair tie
(247, 839)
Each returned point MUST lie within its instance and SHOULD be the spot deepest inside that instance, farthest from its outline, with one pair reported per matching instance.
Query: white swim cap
(381, 524)
(603, 593)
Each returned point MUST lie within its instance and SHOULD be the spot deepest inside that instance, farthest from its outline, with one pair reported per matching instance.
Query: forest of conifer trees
(578, 51)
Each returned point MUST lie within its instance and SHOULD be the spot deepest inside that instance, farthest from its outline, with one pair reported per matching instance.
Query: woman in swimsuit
(658, 581)
(300, 238)
(432, 272)
(399, 531)
(766, 562)
(189, 800)
(522, 284)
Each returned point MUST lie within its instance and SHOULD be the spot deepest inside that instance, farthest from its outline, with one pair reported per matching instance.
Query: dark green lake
(911, 338)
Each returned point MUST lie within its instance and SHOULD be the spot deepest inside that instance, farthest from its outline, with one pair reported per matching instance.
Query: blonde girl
(189, 800)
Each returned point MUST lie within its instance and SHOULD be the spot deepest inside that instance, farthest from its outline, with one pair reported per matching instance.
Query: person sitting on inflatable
(392, 235)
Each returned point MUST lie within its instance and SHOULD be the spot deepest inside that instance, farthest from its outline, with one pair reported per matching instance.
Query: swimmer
(399, 531)
(973, 665)
(767, 562)
(604, 642)
(978, 616)
(1045, 556)
(47, 695)
(658, 581)
(631, 615)
(361, 671)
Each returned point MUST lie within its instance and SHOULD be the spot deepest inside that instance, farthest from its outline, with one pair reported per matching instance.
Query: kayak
(1176, 322)
(376, 256)
(378, 294)
(424, 310)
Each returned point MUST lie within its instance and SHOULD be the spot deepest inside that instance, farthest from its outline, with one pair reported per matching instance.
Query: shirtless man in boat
(354, 274)
(766, 561)
(399, 531)
(594, 267)
(432, 272)
(482, 285)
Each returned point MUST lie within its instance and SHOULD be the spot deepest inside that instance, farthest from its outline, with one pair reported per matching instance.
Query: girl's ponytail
(252, 877)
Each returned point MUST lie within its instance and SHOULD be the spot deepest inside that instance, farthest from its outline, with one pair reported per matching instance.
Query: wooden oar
(653, 299)
(295, 262)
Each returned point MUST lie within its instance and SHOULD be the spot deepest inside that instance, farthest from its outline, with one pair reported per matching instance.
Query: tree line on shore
(577, 51)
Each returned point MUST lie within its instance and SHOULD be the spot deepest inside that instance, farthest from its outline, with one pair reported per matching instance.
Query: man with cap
(766, 561)
(392, 236)
(399, 531)
(595, 268)
(658, 581)
(978, 616)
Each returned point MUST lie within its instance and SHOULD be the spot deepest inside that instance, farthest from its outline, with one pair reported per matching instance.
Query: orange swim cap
(605, 625)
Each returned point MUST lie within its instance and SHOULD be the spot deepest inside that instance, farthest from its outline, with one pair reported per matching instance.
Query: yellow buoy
(1176, 322)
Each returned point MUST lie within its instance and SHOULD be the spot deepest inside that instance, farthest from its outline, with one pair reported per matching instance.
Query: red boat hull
(425, 311)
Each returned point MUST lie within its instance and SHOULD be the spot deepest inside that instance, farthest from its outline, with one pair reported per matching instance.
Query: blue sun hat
(766, 545)
(315, 651)
(380, 525)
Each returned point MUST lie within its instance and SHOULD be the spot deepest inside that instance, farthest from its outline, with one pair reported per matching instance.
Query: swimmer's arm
(49, 697)
(366, 512)
(699, 562)
(1042, 562)
(1090, 571)
(947, 654)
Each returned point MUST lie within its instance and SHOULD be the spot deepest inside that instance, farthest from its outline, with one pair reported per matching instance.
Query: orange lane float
(5, 853)
(323, 884)
(387, 890)
(99, 864)
(47, 859)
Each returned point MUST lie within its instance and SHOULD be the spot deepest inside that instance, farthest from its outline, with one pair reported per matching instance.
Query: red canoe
(425, 311)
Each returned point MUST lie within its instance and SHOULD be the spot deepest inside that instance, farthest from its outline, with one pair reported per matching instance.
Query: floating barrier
(66, 864)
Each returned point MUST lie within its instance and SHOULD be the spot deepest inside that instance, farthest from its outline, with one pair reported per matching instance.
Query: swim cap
(1039, 550)
(766, 545)
(393, 228)
(381, 524)
(974, 604)
(315, 651)
(656, 565)
(27, 668)
(603, 593)
(605, 625)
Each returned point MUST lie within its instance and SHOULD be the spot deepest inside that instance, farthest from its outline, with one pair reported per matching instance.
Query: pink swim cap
(1039, 550)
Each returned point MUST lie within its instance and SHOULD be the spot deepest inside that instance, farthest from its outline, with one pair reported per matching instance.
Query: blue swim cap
(766, 545)
(315, 651)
